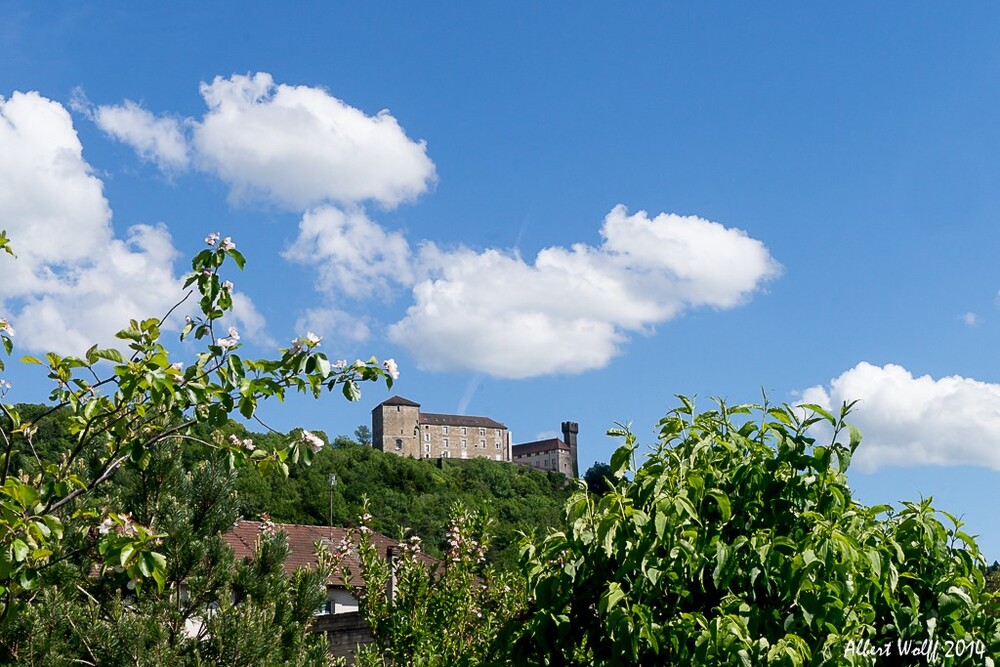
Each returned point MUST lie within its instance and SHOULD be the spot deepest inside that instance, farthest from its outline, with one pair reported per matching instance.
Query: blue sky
(542, 213)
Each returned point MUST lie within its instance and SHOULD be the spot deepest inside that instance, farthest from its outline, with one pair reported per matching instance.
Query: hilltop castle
(398, 426)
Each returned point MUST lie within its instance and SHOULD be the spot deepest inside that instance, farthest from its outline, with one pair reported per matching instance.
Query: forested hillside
(402, 493)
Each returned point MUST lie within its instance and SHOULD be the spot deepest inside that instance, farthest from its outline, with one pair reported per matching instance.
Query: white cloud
(352, 255)
(300, 146)
(971, 319)
(74, 283)
(571, 310)
(158, 140)
(909, 420)
(249, 321)
(333, 325)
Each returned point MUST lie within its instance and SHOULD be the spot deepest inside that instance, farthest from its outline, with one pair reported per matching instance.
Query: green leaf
(723, 500)
(855, 435)
(611, 597)
(351, 391)
(237, 257)
(28, 359)
(19, 549)
(110, 354)
(721, 558)
(823, 412)
(125, 554)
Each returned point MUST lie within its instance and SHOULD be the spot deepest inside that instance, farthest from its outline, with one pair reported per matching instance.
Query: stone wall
(344, 632)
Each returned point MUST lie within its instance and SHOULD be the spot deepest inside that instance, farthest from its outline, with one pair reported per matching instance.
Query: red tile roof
(301, 543)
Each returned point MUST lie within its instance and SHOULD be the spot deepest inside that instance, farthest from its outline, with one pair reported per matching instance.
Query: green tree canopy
(737, 542)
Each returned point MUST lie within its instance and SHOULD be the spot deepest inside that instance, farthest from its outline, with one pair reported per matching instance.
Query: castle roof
(398, 400)
(301, 544)
(459, 420)
(539, 446)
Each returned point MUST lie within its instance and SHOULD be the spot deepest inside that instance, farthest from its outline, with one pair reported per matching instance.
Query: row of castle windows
(465, 431)
(446, 454)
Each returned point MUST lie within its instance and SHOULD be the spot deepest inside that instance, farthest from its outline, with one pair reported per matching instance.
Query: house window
(446, 454)
(444, 442)
(482, 444)
(482, 431)
(445, 430)
(498, 444)
(463, 431)
(427, 449)
(427, 437)
(464, 443)
(399, 444)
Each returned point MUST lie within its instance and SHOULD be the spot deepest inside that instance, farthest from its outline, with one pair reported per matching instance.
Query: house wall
(344, 632)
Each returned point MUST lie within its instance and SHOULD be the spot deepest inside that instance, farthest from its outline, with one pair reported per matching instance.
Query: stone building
(552, 454)
(398, 426)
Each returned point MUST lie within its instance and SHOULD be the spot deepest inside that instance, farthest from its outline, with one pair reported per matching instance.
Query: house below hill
(339, 619)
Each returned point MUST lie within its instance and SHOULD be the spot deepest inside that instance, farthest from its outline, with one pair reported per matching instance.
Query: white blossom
(312, 338)
(6, 327)
(227, 286)
(227, 244)
(391, 368)
(340, 365)
(212, 238)
(314, 441)
(105, 526)
(233, 333)
(226, 343)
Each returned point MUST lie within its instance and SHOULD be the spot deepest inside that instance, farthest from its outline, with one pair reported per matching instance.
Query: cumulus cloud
(352, 255)
(74, 283)
(158, 140)
(333, 325)
(572, 309)
(300, 146)
(909, 420)
(971, 319)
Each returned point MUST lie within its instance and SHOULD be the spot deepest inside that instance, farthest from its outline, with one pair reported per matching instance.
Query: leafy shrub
(737, 542)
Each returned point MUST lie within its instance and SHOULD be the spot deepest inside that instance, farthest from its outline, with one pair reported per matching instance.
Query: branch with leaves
(123, 407)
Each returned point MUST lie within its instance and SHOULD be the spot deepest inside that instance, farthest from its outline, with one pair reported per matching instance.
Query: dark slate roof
(537, 446)
(301, 540)
(459, 420)
(398, 400)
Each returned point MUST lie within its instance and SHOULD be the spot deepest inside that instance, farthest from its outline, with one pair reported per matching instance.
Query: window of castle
(444, 442)
(464, 443)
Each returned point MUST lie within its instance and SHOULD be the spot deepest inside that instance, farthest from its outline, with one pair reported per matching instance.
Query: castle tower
(569, 430)
(395, 427)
